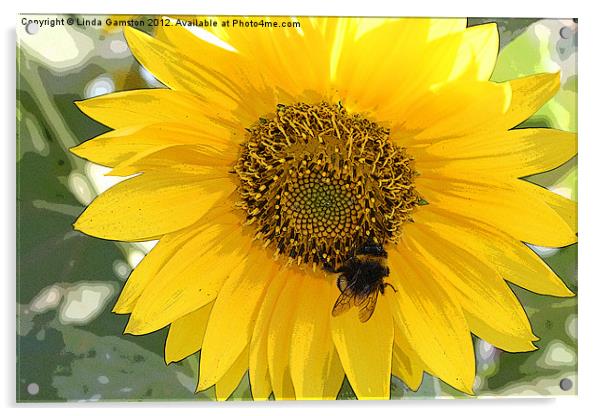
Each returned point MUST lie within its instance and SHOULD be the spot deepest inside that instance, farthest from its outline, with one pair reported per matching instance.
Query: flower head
(332, 197)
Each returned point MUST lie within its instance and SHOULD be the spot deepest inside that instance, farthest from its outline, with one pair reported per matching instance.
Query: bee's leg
(388, 285)
(342, 283)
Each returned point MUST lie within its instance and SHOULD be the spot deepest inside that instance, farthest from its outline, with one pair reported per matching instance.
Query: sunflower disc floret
(318, 182)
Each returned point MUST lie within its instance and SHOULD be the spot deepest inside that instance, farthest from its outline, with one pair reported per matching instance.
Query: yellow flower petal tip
(120, 310)
(76, 150)
(465, 385)
(568, 294)
(79, 103)
(414, 387)
(170, 358)
(138, 327)
(82, 224)
(545, 83)
(131, 331)
(293, 238)
(204, 385)
(130, 32)
(84, 105)
(556, 76)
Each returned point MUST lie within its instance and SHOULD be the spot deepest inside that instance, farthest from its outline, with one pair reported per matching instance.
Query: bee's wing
(359, 300)
(344, 302)
(367, 306)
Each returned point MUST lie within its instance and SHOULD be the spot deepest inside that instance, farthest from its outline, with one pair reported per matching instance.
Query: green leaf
(74, 364)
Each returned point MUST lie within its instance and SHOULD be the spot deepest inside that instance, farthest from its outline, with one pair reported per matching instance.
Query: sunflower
(333, 197)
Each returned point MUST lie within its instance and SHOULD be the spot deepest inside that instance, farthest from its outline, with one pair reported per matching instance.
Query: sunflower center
(319, 182)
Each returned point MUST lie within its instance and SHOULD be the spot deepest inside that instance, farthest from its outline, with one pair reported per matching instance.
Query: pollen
(317, 182)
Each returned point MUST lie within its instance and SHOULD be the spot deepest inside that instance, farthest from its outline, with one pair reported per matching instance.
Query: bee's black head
(372, 249)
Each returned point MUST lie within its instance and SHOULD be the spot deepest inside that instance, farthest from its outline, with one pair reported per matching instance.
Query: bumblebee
(360, 281)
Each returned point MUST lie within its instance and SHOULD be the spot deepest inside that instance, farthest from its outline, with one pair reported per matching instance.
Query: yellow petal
(233, 317)
(492, 310)
(192, 277)
(286, 52)
(151, 205)
(201, 160)
(564, 207)
(315, 368)
(186, 334)
(488, 108)
(405, 40)
(395, 86)
(528, 95)
(333, 383)
(446, 26)
(149, 106)
(507, 205)
(478, 52)
(148, 268)
(259, 375)
(119, 145)
(178, 71)
(513, 260)
(313, 56)
(431, 321)
(436, 116)
(245, 72)
(405, 364)
(279, 339)
(515, 153)
(365, 350)
(231, 379)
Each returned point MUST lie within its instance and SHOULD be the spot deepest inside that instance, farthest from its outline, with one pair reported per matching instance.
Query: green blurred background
(70, 346)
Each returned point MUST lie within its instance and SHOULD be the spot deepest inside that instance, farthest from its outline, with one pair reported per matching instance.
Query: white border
(590, 290)
(506, 8)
